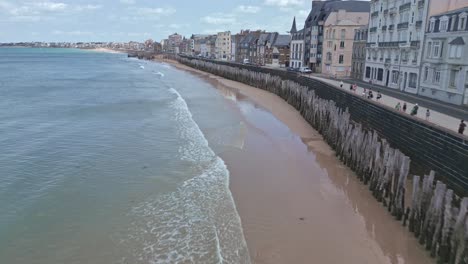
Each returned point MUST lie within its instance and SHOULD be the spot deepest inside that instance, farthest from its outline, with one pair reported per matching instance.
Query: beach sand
(106, 50)
(297, 202)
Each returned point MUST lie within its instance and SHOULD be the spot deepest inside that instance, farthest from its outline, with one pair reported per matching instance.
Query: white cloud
(178, 26)
(87, 7)
(50, 6)
(284, 3)
(219, 19)
(248, 9)
(147, 11)
(72, 33)
(128, 2)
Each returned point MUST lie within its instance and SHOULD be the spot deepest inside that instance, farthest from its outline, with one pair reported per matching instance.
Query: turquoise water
(103, 160)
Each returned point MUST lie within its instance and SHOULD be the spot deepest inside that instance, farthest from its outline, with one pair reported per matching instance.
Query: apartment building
(338, 42)
(296, 47)
(359, 52)
(395, 42)
(444, 71)
(223, 45)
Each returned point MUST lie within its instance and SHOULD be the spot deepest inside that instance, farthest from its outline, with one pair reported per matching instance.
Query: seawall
(380, 145)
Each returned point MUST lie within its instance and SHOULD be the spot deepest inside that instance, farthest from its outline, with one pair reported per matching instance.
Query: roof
(457, 41)
(282, 40)
(322, 9)
(452, 12)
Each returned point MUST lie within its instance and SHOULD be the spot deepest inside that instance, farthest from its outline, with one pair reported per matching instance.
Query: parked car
(305, 70)
(291, 69)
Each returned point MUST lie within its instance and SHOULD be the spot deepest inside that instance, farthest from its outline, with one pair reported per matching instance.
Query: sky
(138, 20)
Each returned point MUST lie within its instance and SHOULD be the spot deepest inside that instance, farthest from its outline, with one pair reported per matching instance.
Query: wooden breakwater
(435, 215)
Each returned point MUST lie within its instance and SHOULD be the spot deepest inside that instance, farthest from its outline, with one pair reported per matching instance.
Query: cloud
(128, 2)
(147, 11)
(248, 9)
(284, 3)
(177, 26)
(219, 19)
(87, 7)
(50, 6)
(72, 33)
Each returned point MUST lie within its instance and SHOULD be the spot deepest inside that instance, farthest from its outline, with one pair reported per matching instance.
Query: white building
(223, 45)
(395, 41)
(444, 72)
(296, 57)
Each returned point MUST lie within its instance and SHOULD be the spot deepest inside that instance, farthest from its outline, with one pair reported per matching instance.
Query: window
(455, 51)
(429, 49)
(312, 55)
(329, 56)
(443, 26)
(436, 49)
(412, 17)
(367, 72)
(413, 79)
(431, 25)
(330, 44)
(380, 75)
(426, 73)
(341, 59)
(462, 21)
(343, 33)
(453, 78)
(395, 77)
(333, 34)
(342, 44)
(436, 77)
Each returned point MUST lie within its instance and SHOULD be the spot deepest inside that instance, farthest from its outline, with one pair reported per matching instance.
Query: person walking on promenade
(379, 95)
(414, 111)
(370, 95)
(428, 114)
(351, 87)
(462, 126)
(355, 87)
(404, 107)
(341, 84)
(398, 107)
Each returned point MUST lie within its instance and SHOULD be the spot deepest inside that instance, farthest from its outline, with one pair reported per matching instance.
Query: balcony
(415, 44)
(371, 44)
(391, 27)
(392, 11)
(405, 6)
(418, 24)
(373, 29)
(390, 44)
(404, 44)
(403, 25)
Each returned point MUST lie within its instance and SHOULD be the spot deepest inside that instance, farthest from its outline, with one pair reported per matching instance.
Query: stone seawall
(381, 146)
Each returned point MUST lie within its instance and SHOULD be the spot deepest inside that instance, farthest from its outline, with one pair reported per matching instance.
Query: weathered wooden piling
(435, 219)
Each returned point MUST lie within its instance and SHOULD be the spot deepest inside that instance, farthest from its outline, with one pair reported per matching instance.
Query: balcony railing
(418, 24)
(405, 6)
(390, 44)
(415, 43)
(403, 25)
(391, 27)
(370, 44)
(373, 29)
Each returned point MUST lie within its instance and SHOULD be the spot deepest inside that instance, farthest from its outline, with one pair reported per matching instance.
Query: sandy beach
(297, 202)
(106, 50)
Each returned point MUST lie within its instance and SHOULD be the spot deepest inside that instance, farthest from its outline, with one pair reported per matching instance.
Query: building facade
(314, 27)
(223, 45)
(444, 71)
(338, 41)
(174, 41)
(359, 52)
(296, 47)
(395, 41)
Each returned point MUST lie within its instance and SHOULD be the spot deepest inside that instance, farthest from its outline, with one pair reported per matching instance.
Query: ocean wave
(197, 223)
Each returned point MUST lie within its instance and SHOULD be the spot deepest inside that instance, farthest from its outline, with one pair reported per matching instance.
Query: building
(223, 45)
(174, 41)
(247, 47)
(359, 52)
(296, 47)
(394, 44)
(338, 41)
(233, 47)
(444, 71)
(317, 18)
(272, 49)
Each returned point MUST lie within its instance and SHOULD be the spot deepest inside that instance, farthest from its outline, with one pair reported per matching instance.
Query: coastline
(297, 202)
(106, 50)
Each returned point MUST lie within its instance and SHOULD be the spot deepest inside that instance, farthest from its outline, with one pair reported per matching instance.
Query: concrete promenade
(438, 116)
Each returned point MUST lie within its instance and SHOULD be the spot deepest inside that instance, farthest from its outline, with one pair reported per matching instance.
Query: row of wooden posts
(434, 214)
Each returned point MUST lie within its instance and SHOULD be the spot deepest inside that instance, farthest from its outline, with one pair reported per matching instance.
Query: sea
(109, 159)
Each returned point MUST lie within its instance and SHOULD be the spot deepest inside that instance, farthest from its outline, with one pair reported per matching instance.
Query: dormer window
(462, 21)
(443, 25)
(432, 25)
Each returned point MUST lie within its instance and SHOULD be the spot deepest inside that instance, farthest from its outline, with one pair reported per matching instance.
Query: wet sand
(297, 202)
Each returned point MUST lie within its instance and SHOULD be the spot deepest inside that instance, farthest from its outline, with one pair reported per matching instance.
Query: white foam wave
(198, 223)
(142, 67)
(159, 73)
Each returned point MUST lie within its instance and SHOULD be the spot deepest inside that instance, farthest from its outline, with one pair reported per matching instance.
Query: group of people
(414, 111)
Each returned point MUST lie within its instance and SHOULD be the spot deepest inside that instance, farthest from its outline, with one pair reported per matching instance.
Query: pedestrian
(351, 87)
(404, 107)
(428, 114)
(355, 87)
(379, 95)
(341, 84)
(370, 95)
(414, 111)
(462, 126)
(398, 107)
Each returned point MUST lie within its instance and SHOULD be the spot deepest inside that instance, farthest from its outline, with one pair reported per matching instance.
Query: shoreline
(297, 202)
(106, 50)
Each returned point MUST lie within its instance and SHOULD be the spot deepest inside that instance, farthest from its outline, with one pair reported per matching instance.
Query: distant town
(414, 46)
